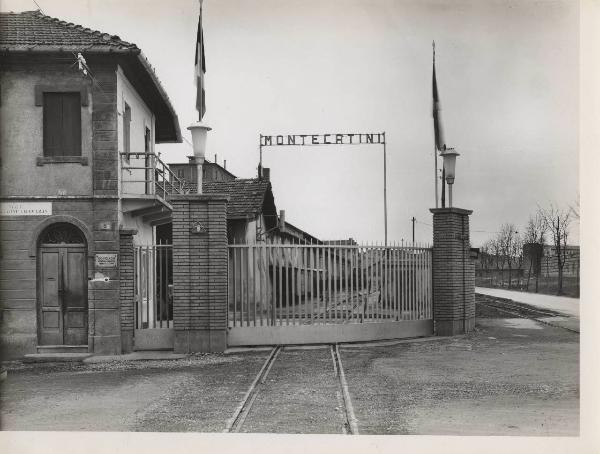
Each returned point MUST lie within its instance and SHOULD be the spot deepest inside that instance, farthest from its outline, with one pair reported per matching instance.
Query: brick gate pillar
(453, 272)
(126, 288)
(200, 260)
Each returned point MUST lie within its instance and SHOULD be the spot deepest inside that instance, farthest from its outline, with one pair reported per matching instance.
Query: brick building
(549, 261)
(81, 184)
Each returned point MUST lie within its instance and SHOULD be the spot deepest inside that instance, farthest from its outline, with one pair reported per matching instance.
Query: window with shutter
(62, 124)
(127, 130)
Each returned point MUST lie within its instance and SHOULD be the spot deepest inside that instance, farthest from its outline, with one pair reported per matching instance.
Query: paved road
(563, 304)
(510, 377)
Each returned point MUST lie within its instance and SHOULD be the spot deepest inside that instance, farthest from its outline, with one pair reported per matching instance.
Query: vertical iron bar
(316, 265)
(391, 288)
(247, 263)
(147, 288)
(377, 283)
(403, 271)
(258, 269)
(234, 280)
(409, 283)
(346, 287)
(350, 283)
(364, 265)
(336, 275)
(169, 264)
(280, 305)
(273, 285)
(153, 284)
(293, 258)
(254, 271)
(385, 299)
(430, 283)
(418, 282)
(162, 280)
(328, 304)
(287, 286)
(369, 280)
(412, 283)
(310, 277)
(422, 274)
(136, 270)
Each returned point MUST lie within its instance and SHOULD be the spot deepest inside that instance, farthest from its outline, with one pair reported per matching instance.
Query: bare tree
(557, 222)
(496, 248)
(535, 237)
(516, 253)
(574, 207)
(506, 238)
(487, 258)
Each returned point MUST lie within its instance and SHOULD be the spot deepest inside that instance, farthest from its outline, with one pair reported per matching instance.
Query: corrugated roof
(246, 196)
(33, 31)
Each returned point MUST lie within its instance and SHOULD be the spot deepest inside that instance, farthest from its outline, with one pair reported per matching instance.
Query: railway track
(349, 424)
(517, 309)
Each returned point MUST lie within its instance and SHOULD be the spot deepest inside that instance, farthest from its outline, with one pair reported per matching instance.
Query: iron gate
(153, 290)
(313, 293)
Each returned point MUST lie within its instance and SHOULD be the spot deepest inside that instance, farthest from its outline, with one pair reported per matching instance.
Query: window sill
(43, 160)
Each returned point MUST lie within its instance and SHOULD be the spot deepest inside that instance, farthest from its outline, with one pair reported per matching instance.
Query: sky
(508, 79)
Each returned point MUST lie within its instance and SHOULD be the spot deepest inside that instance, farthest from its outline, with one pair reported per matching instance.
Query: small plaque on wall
(25, 208)
(106, 260)
(198, 227)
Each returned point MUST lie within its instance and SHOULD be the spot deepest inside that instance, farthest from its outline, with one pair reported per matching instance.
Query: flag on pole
(200, 68)
(437, 123)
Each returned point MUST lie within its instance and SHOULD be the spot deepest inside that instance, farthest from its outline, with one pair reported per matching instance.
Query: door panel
(63, 296)
(75, 297)
(50, 315)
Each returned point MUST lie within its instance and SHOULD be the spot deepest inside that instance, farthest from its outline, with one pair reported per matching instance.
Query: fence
(144, 173)
(153, 286)
(300, 284)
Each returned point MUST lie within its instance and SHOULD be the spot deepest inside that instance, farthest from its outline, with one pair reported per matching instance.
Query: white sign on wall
(106, 260)
(25, 208)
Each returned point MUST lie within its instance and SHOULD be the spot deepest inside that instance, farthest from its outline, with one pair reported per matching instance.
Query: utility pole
(413, 228)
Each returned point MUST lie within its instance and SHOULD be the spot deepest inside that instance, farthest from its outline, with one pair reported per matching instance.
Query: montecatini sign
(322, 139)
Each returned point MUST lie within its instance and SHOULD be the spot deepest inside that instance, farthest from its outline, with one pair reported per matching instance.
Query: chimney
(216, 158)
(282, 220)
(225, 164)
(266, 173)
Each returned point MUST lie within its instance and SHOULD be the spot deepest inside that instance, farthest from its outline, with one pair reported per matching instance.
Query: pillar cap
(451, 210)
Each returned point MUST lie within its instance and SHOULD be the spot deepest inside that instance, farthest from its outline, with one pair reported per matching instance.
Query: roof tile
(246, 196)
(31, 29)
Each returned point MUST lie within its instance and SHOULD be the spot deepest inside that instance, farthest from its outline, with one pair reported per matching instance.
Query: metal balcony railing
(145, 174)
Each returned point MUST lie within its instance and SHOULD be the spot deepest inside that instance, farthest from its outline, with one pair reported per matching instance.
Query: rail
(145, 173)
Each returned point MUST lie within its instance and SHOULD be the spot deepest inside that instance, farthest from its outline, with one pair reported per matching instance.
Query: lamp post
(449, 155)
(199, 132)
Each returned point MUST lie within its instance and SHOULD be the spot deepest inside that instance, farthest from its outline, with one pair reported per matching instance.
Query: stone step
(55, 357)
(62, 348)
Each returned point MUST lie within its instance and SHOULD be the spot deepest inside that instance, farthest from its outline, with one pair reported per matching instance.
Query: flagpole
(435, 157)
(435, 177)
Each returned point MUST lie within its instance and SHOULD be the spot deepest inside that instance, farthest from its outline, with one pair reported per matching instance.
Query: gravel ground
(195, 394)
(509, 377)
(504, 379)
(301, 395)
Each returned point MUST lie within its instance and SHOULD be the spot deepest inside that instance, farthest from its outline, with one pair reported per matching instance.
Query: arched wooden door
(62, 286)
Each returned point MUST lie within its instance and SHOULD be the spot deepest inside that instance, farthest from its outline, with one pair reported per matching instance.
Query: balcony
(147, 184)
